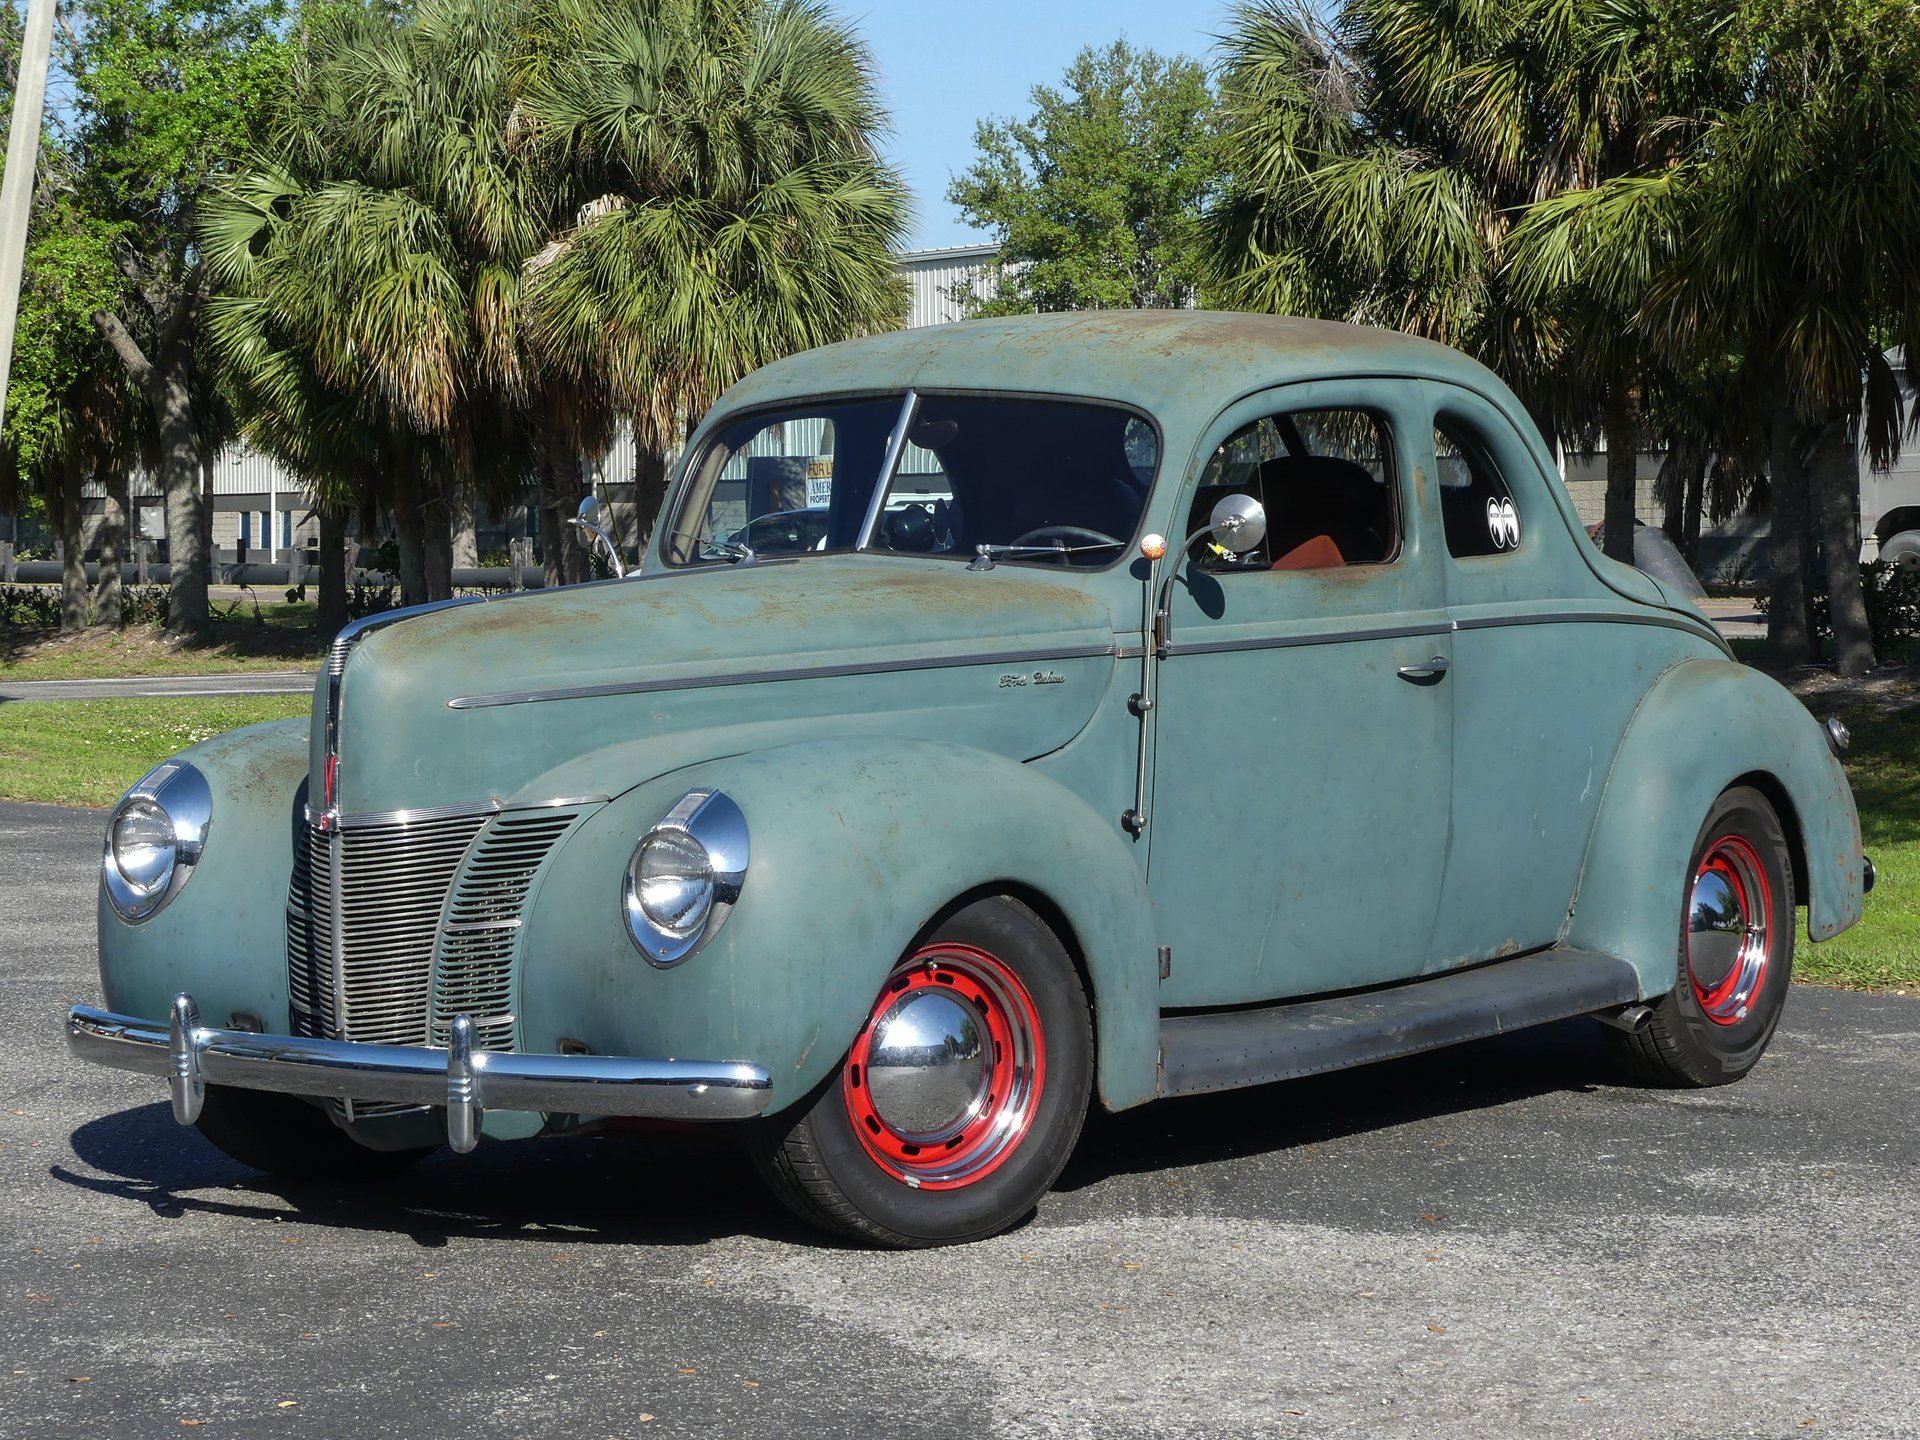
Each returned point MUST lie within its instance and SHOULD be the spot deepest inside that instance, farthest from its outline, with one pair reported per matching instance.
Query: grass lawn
(1882, 952)
(87, 752)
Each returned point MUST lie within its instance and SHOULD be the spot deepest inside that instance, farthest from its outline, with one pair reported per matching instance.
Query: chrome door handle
(1427, 673)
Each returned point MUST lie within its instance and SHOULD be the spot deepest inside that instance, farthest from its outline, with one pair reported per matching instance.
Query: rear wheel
(961, 1097)
(291, 1139)
(1736, 952)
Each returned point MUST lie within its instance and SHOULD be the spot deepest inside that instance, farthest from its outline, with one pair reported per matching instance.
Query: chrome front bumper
(466, 1081)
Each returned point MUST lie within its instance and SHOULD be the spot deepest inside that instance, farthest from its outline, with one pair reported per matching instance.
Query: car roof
(1166, 362)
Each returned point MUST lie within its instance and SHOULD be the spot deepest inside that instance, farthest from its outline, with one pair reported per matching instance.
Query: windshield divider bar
(896, 446)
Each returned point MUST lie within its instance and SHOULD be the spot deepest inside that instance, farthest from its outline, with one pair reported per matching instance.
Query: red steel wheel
(958, 1100)
(1735, 952)
(1728, 943)
(944, 1080)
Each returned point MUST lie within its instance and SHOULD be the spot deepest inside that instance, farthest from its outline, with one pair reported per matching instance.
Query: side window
(1474, 499)
(1326, 480)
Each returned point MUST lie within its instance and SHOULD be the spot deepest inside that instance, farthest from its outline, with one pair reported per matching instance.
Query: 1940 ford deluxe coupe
(1121, 705)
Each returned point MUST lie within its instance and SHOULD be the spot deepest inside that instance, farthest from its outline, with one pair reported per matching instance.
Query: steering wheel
(1068, 533)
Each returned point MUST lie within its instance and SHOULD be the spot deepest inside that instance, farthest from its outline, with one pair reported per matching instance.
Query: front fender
(1704, 725)
(856, 845)
(223, 937)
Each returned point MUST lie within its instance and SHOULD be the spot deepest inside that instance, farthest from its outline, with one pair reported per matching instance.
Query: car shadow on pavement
(1236, 1124)
(622, 1188)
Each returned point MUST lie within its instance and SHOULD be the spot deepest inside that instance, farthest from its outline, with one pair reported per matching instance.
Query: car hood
(476, 703)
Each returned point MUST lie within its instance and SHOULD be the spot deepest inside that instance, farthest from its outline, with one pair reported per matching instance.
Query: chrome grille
(480, 932)
(393, 928)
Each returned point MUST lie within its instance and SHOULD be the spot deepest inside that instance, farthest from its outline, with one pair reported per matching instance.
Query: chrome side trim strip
(192, 1056)
(767, 677)
(1323, 637)
(1664, 621)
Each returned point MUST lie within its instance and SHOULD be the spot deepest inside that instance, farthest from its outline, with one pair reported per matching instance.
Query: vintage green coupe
(893, 848)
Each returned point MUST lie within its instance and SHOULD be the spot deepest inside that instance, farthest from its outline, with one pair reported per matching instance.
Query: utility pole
(23, 154)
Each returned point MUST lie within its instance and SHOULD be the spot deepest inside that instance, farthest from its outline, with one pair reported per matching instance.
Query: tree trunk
(649, 491)
(1622, 428)
(1789, 634)
(1836, 487)
(187, 552)
(563, 555)
(436, 514)
(331, 602)
(409, 524)
(70, 515)
(466, 543)
(113, 535)
(1696, 504)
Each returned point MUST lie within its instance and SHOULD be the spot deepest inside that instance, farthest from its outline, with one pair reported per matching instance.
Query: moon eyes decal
(1503, 524)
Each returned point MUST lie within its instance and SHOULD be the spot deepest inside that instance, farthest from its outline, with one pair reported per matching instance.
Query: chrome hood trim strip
(770, 676)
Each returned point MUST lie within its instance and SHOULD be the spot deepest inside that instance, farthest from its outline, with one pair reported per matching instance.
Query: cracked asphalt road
(1496, 1240)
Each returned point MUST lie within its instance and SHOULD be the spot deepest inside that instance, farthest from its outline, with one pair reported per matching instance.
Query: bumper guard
(465, 1081)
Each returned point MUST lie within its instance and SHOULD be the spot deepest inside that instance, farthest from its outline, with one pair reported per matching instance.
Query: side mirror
(1238, 523)
(588, 520)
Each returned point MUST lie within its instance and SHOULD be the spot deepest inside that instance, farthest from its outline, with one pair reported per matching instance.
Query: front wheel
(960, 1098)
(1736, 952)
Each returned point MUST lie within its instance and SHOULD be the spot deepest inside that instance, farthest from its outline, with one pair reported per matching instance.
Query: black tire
(1713, 1026)
(291, 1139)
(984, 1173)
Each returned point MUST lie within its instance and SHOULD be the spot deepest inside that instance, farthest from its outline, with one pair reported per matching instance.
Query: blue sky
(942, 67)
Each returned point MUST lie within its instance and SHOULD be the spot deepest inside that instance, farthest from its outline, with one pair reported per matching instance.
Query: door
(1549, 665)
(1302, 729)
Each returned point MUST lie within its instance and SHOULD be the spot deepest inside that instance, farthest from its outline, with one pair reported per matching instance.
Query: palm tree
(727, 202)
(1381, 164)
(1781, 237)
(385, 232)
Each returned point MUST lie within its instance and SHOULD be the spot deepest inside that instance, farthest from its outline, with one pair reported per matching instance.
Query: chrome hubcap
(927, 1070)
(1727, 940)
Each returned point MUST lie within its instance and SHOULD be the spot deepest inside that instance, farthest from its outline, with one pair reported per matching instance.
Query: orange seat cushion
(1318, 553)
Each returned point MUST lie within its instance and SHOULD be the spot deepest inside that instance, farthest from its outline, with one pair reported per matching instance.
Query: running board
(1226, 1050)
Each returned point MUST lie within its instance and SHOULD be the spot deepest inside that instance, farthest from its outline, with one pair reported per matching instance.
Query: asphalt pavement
(1499, 1240)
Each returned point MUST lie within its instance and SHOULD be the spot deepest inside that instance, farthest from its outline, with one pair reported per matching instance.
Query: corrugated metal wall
(932, 275)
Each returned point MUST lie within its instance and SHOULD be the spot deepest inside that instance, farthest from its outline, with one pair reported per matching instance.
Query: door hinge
(1166, 961)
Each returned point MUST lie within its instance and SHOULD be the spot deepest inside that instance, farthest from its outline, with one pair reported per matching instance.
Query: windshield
(1050, 482)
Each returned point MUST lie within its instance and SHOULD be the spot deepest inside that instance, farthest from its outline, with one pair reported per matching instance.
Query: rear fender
(856, 846)
(1706, 725)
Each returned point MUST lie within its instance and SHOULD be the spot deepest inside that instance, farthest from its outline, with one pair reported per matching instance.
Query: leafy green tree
(1380, 163)
(1096, 196)
(70, 419)
(165, 93)
(372, 260)
(726, 202)
(1782, 236)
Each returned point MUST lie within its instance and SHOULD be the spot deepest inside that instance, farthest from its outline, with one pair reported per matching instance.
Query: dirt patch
(30, 652)
(1886, 690)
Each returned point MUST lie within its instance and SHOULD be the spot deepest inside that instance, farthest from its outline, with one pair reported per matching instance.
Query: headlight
(155, 838)
(685, 876)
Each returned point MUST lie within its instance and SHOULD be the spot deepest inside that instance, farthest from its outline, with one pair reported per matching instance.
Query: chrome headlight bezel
(179, 794)
(706, 822)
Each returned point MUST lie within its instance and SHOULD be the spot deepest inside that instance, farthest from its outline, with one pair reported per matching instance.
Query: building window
(246, 528)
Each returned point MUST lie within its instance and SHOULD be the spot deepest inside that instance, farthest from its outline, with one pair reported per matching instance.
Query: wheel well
(1901, 517)
(1052, 917)
(1782, 803)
